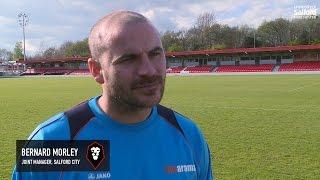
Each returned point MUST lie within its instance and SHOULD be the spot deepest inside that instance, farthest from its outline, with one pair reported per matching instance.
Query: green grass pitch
(258, 127)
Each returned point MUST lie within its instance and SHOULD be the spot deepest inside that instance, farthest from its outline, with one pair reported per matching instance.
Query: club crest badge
(95, 155)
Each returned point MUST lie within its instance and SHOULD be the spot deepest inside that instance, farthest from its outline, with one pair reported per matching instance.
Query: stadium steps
(215, 69)
(276, 68)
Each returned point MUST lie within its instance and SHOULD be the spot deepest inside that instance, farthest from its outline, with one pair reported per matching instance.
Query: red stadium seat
(246, 68)
(301, 66)
(80, 72)
(55, 71)
(175, 69)
(200, 69)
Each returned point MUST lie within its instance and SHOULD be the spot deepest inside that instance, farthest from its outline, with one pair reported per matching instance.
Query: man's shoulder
(55, 128)
(191, 130)
(187, 124)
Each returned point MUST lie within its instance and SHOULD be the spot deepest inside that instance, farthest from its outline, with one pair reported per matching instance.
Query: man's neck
(122, 113)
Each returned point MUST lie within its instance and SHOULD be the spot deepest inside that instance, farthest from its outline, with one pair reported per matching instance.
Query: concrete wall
(247, 62)
(214, 63)
(227, 63)
(270, 61)
(173, 64)
(286, 61)
(192, 63)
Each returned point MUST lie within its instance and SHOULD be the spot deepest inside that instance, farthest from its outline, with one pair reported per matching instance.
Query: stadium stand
(301, 66)
(175, 69)
(280, 58)
(80, 72)
(200, 69)
(55, 71)
(246, 68)
(28, 72)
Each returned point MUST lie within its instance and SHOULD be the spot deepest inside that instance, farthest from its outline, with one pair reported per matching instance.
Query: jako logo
(103, 175)
(181, 168)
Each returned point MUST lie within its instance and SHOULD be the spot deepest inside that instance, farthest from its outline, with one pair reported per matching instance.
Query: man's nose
(146, 66)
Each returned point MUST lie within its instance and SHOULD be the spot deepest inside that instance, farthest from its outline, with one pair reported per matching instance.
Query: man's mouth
(147, 85)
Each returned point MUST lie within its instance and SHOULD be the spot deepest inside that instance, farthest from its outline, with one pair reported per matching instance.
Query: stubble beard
(124, 98)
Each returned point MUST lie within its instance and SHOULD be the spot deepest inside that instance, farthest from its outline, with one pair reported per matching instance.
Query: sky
(52, 22)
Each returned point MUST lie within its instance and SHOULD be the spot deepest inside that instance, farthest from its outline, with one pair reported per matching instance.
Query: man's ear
(96, 70)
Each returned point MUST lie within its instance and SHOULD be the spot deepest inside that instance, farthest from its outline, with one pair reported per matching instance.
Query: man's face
(134, 67)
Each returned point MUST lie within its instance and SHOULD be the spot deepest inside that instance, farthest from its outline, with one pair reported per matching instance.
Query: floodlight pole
(254, 35)
(254, 38)
(23, 21)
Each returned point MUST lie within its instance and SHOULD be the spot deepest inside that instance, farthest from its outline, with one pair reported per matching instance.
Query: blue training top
(137, 151)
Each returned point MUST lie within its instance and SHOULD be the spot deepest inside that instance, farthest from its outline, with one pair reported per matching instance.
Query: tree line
(205, 34)
(66, 49)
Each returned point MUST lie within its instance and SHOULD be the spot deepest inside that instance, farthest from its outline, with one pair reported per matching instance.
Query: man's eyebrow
(122, 57)
(132, 55)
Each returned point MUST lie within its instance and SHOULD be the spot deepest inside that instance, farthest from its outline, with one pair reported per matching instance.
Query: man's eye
(156, 53)
(127, 58)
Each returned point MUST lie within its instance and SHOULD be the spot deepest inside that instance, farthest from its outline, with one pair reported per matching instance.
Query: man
(147, 140)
